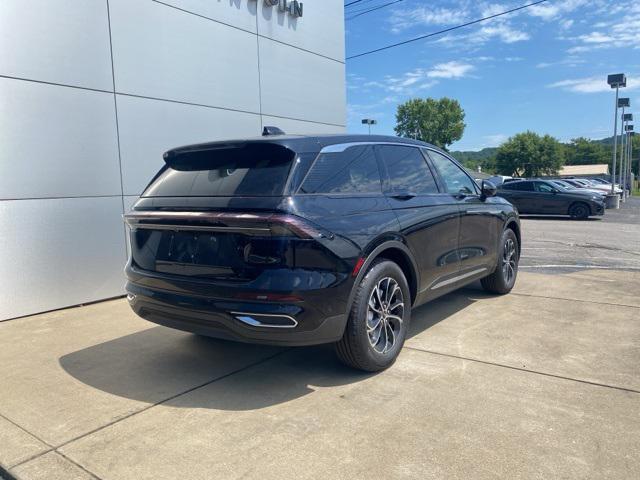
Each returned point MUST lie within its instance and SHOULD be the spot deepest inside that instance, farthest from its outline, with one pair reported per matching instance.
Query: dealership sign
(294, 7)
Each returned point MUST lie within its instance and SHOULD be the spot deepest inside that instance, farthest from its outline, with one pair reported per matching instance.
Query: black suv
(299, 240)
(549, 198)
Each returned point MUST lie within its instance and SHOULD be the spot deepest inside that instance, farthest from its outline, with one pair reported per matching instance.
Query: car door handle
(403, 195)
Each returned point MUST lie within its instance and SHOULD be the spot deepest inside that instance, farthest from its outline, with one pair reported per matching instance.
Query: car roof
(302, 143)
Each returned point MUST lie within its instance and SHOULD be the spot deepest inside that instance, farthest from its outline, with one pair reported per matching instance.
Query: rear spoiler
(218, 155)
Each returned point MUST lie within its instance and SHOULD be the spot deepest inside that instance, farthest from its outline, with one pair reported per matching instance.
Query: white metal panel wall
(320, 30)
(59, 252)
(59, 41)
(301, 85)
(148, 128)
(77, 154)
(230, 12)
(165, 53)
(56, 141)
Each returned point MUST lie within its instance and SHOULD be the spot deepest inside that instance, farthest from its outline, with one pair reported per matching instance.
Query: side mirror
(488, 189)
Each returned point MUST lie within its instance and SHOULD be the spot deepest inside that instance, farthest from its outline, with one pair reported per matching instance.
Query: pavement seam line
(79, 437)
(520, 369)
(6, 468)
(81, 467)
(173, 397)
(576, 300)
(2, 415)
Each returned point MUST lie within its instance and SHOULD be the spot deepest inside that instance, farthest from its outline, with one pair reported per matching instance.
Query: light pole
(369, 122)
(626, 118)
(631, 136)
(616, 81)
(627, 170)
(622, 103)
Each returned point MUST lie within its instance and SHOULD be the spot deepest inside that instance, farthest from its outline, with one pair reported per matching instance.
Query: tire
(503, 278)
(579, 211)
(358, 347)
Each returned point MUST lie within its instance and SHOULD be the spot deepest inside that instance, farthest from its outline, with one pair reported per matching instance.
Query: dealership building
(92, 92)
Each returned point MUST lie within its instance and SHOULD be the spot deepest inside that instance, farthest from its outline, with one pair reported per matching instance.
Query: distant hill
(485, 157)
(472, 160)
(474, 156)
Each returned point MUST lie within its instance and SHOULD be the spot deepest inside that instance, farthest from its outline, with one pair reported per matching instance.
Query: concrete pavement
(541, 383)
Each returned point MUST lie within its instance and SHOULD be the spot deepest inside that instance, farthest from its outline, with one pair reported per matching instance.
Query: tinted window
(408, 170)
(520, 186)
(454, 177)
(249, 169)
(353, 171)
(525, 186)
(544, 187)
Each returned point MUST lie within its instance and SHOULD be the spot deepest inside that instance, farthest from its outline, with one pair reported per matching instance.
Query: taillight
(260, 224)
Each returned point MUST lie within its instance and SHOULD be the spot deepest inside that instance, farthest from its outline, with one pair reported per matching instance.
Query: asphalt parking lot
(541, 383)
(554, 244)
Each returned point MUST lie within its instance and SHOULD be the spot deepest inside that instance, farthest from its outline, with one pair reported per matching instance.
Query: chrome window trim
(341, 147)
(457, 278)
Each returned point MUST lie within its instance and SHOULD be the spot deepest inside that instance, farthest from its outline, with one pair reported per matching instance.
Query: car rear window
(242, 170)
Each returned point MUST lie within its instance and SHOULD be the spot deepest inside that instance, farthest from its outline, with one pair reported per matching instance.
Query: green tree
(440, 122)
(529, 155)
(582, 151)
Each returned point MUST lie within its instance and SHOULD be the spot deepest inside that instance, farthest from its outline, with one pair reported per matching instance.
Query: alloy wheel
(385, 314)
(509, 261)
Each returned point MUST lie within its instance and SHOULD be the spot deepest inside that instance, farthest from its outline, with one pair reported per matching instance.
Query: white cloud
(566, 24)
(407, 18)
(495, 139)
(618, 27)
(413, 81)
(595, 37)
(450, 70)
(591, 84)
(552, 11)
(504, 32)
(571, 61)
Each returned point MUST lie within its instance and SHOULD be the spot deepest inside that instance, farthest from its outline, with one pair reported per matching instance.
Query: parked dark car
(547, 198)
(298, 240)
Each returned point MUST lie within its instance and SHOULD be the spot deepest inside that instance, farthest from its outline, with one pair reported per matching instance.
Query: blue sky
(543, 68)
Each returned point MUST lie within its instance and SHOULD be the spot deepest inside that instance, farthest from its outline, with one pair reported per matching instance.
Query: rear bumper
(220, 317)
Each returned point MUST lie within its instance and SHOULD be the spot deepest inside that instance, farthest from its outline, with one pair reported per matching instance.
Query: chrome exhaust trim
(261, 320)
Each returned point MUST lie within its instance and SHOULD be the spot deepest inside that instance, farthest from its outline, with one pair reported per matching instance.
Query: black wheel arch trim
(378, 252)
(513, 221)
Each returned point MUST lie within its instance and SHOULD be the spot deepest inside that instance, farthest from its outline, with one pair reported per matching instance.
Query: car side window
(353, 171)
(526, 186)
(408, 169)
(544, 187)
(455, 179)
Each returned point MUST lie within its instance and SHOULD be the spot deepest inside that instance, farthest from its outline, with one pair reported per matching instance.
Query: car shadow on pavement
(158, 364)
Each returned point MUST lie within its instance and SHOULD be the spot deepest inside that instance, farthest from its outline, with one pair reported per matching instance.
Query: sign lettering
(294, 7)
